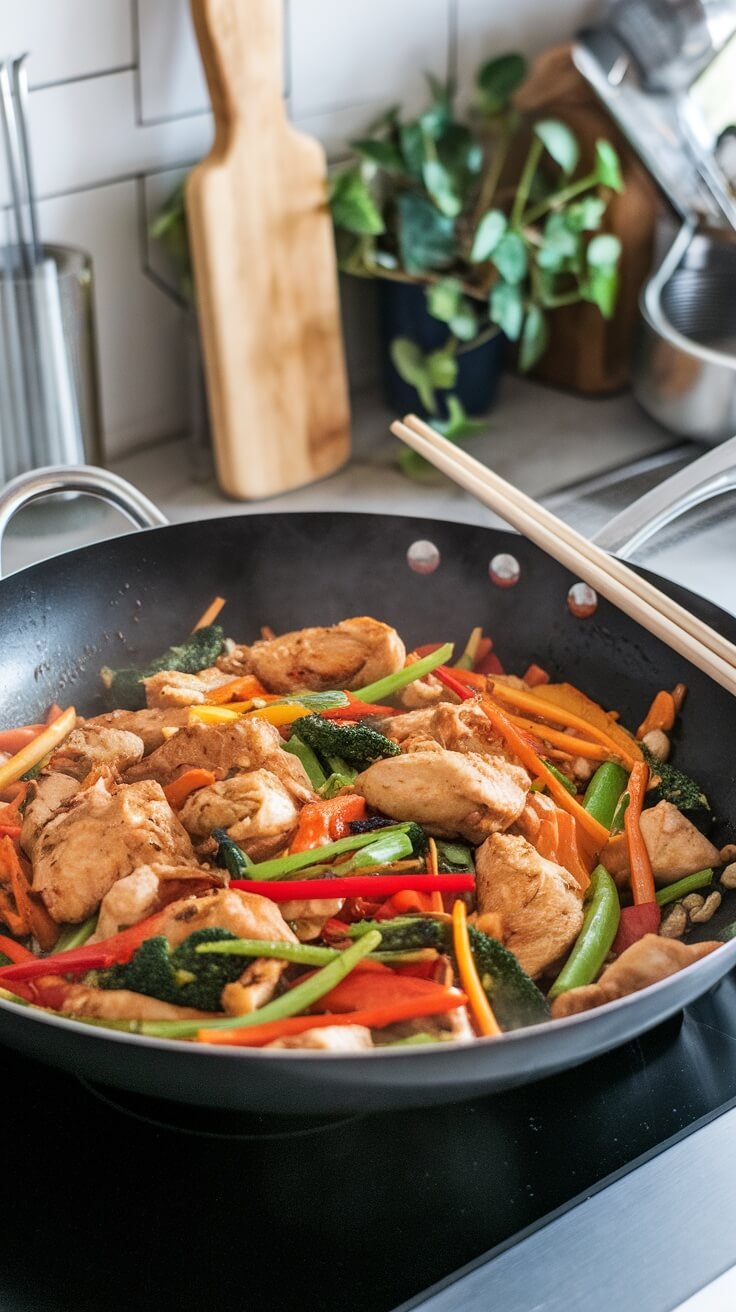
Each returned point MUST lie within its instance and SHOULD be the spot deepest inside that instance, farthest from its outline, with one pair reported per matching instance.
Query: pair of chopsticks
(14, 106)
(675, 626)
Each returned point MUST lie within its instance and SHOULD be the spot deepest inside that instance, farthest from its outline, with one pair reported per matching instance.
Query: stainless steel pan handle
(711, 475)
(24, 489)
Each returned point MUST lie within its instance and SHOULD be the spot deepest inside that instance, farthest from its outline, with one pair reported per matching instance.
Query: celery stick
(375, 692)
(303, 752)
(75, 936)
(280, 866)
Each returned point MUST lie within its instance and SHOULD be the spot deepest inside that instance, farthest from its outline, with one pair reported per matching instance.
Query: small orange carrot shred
(433, 868)
(236, 690)
(480, 1007)
(535, 676)
(661, 714)
(374, 1018)
(324, 822)
(409, 900)
(541, 704)
(34, 918)
(180, 789)
(640, 865)
(210, 614)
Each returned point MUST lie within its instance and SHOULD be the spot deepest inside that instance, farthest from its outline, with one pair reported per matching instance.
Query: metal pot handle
(707, 477)
(20, 491)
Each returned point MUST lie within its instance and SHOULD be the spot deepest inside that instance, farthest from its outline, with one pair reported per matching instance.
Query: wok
(120, 600)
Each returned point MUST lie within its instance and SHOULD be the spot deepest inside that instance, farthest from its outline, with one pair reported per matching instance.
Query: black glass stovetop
(111, 1202)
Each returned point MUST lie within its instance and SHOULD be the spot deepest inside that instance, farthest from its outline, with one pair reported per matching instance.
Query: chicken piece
(148, 725)
(675, 847)
(446, 1025)
(648, 960)
(113, 1004)
(328, 1038)
(100, 837)
(254, 809)
(539, 902)
(148, 889)
(255, 987)
(246, 915)
(95, 745)
(308, 917)
(458, 728)
(346, 655)
(247, 744)
(47, 795)
(450, 793)
(175, 688)
(424, 693)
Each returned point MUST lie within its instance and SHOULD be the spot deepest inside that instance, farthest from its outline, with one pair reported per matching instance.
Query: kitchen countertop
(539, 438)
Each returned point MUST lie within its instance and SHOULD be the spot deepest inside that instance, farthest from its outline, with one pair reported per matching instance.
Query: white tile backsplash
(119, 108)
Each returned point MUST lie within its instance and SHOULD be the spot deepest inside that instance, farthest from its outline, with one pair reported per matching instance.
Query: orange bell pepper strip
(236, 690)
(180, 789)
(540, 704)
(435, 1003)
(640, 865)
(34, 916)
(661, 714)
(373, 988)
(324, 822)
(528, 757)
(480, 1007)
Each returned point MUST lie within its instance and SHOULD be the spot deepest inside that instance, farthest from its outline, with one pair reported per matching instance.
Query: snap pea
(603, 792)
(593, 943)
(683, 886)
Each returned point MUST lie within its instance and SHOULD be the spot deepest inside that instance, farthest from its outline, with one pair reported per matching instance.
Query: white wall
(119, 108)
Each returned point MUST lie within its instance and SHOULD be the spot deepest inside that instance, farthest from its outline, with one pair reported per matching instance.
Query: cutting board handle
(242, 47)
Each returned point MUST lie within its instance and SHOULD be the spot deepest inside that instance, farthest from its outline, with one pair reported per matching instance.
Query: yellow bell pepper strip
(480, 1007)
(34, 752)
(538, 769)
(213, 714)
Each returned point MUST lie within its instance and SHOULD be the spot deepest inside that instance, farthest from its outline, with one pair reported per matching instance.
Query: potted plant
(473, 251)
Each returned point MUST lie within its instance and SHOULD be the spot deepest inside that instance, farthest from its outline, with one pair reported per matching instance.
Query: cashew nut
(728, 876)
(708, 909)
(674, 923)
(692, 903)
(728, 853)
(658, 743)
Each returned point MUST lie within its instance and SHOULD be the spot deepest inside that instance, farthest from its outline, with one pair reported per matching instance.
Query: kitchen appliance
(126, 596)
(265, 270)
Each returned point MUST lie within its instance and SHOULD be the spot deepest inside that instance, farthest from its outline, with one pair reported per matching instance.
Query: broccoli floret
(196, 653)
(414, 832)
(515, 998)
(453, 857)
(678, 788)
(181, 976)
(357, 744)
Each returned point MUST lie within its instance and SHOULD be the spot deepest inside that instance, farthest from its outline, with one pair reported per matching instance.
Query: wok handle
(24, 489)
(709, 476)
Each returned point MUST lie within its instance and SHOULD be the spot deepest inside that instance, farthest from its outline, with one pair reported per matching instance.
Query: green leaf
(412, 365)
(603, 252)
(464, 324)
(353, 207)
(458, 425)
(559, 244)
(387, 118)
(411, 140)
(385, 154)
(559, 142)
(601, 287)
(441, 186)
(442, 367)
(506, 308)
(458, 150)
(488, 234)
(510, 257)
(498, 79)
(443, 299)
(534, 338)
(585, 215)
(607, 166)
(435, 119)
(426, 237)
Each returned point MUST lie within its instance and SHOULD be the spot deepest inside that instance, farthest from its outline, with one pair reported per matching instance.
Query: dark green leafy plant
(423, 203)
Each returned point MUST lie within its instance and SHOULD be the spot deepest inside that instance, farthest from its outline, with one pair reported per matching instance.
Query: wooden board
(264, 265)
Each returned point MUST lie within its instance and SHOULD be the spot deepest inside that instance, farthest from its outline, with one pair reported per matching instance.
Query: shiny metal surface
(101, 483)
(685, 363)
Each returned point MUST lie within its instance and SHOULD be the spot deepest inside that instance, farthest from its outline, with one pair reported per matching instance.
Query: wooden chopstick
(666, 619)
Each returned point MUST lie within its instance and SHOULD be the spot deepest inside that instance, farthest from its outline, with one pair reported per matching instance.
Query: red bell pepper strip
(635, 922)
(490, 664)
(374, 988)
(372, 886)
(356, 709)
(15, 951)
(114, 951)
(375, 1018)
(10, 831)
(451, 681)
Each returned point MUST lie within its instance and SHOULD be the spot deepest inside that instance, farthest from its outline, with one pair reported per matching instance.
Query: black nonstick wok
(126, 599)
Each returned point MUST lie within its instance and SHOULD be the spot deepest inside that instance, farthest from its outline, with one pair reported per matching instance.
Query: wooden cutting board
(264, 266)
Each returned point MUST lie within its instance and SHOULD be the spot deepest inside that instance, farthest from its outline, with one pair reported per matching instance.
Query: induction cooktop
(110, 1201)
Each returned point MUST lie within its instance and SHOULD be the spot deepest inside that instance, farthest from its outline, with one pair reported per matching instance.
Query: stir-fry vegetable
(603, 792)
(595, 939)
(393, 683)
(199, 650)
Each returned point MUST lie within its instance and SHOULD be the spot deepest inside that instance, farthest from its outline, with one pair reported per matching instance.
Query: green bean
(308, 758)
(593, 943)
(603, 792)
(75, 936)
(683, 886)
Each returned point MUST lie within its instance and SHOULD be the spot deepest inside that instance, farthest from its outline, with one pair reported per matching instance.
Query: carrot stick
(527, 701)
(574, 746)
(529, 758)
(179, 789)
(433, 868)
(15, 951)
(210, 614)
(640, 865)
(235, 690)
(325, 822)
(33, 913)
(32, 753)
(480, 1007)
(661, 714)
(373, 1018)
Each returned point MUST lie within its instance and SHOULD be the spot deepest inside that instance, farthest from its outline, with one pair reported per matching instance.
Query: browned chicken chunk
(254, 808)
(46, 796)
(329, 1038)
(307, 917)
(255, 987)
(100, 837)
(346, 655)
(148, 725)
(148, 889)
(95, 745)
(539, 902)
(650, 959)
(120, 1004)
(458, 728)
(174, 688)
(247, 744)
(675, 846)
(450, 793)
(246, 915)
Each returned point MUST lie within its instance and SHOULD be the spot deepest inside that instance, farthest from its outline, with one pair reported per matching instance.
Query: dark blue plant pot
(404, 313)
